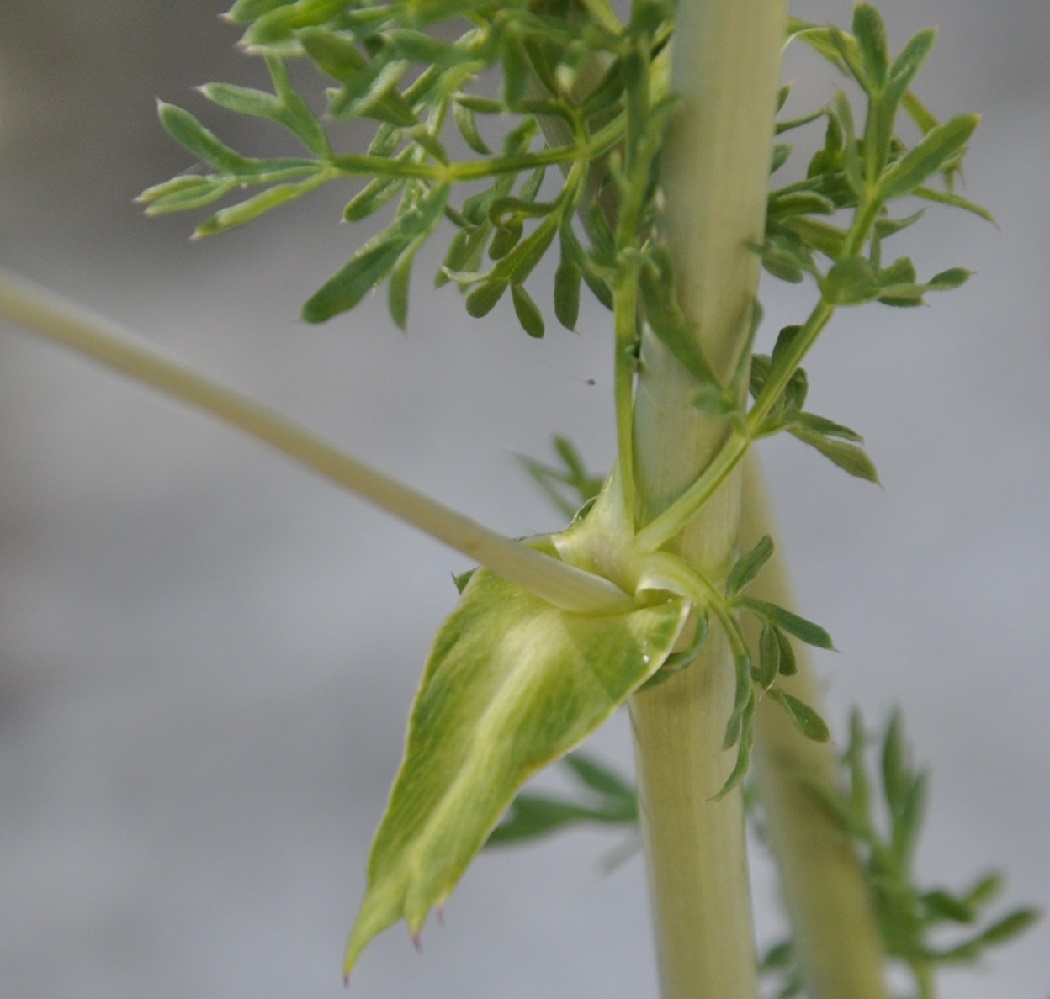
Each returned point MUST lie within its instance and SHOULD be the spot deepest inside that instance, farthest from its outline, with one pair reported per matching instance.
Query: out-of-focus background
(206, 656)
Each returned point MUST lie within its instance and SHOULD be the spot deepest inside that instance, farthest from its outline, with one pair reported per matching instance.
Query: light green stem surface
(837, 942)
(38, 309)
(715, 177)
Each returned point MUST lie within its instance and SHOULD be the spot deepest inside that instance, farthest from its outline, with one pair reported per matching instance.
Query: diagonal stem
(60, 320)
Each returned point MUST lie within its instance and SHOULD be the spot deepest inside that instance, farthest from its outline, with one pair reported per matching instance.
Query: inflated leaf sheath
(512, 684)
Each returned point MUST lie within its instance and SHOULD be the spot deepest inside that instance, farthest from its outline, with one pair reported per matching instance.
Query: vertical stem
(837, 942)
(715, 175)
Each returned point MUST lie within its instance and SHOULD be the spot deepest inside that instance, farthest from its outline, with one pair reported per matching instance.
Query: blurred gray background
(207, 656)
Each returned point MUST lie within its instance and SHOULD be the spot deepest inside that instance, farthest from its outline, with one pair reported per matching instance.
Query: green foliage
(594, 89)
(523, 86)
(418, 72)
(859, 172)
(923, 928)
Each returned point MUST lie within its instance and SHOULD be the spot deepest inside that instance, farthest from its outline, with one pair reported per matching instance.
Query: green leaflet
(375, 260)
(511, 684)
(253, 207)
(930, 155)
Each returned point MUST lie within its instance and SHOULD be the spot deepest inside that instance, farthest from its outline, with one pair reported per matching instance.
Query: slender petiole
(35, 308)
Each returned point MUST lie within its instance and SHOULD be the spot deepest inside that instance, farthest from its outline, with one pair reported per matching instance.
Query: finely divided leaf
(285, 107)
(768, 658)
(243, 100)
(602, 780)
(534, 815)
(668, 322)
(483, 299)
(344, 290)
(400, 278)
(185, 192)
(851, 281)
(512, 683)
(246, 11)
(954, 200)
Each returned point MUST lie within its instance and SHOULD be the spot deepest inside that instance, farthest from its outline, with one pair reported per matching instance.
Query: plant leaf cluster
(881, 812)
(595, 90)
(759, 669)
(526, 85)
(421, 74)
(832, 224)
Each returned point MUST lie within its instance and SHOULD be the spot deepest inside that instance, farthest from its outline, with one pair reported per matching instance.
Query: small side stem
(60, 320)
(667, 525)
(625, 311)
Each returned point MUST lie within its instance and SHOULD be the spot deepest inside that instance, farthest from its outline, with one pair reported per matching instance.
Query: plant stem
(62, 321)
(715, 176)
(823, 887)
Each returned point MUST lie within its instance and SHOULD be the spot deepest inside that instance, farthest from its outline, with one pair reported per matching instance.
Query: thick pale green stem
(715, 176)
(836, 939)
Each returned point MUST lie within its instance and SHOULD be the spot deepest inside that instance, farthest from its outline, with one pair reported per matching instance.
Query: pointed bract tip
(417, 941)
